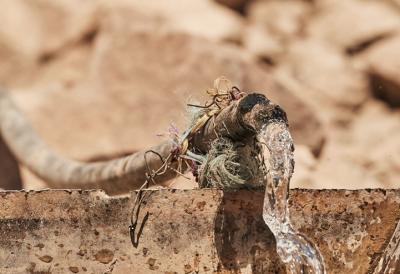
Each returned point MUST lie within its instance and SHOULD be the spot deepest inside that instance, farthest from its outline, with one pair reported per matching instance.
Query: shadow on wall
(10, 178)
(238, 222)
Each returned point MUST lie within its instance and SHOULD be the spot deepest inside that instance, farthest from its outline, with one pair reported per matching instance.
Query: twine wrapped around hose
(222, 167)
(234, 116)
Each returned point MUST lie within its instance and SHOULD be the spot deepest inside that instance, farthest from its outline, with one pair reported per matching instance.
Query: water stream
(296, 252)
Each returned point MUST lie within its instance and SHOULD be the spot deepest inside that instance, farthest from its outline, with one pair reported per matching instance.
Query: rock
(364, 153)
(60, 23)
(32, 31)
(139, 108)
(203, 18)
(305, 124)
(238, 5)
(305, 163)
(348, 227)
(65, 70)
(119, 42)
(383, 66)
(282, 18)
(396, 3)
(115, 93)
(187, 182)
(381, 141)
(337, 169)
(332, 83)
(262, 44)
(352, 25)
(143, 78)
(272, 25)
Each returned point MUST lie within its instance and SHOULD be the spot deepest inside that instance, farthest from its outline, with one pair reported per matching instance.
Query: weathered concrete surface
(196, 231)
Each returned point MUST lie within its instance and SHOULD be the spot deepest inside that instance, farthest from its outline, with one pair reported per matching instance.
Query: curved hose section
(114, 176)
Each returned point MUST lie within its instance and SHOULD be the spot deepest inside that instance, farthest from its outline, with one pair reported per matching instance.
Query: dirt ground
(103, 78)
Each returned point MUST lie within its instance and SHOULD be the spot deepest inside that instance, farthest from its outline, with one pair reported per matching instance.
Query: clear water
(297, 252)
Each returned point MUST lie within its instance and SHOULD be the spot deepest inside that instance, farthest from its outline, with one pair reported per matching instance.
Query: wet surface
(204, 231)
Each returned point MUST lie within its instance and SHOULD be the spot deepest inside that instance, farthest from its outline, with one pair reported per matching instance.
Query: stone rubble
(107, 78)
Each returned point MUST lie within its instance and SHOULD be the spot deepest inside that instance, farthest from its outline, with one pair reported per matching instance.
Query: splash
(297, 252)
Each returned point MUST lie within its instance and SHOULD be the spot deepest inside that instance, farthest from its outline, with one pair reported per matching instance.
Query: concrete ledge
(187, 231)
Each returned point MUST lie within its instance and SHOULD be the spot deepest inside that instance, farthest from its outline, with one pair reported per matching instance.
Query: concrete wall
(186, 231)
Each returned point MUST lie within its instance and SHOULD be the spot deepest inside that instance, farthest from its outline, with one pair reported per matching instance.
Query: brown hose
(238, 121)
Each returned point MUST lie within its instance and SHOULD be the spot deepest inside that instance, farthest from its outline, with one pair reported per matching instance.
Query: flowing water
(299, 254)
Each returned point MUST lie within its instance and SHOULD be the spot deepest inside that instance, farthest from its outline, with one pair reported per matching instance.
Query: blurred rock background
(104, 78)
